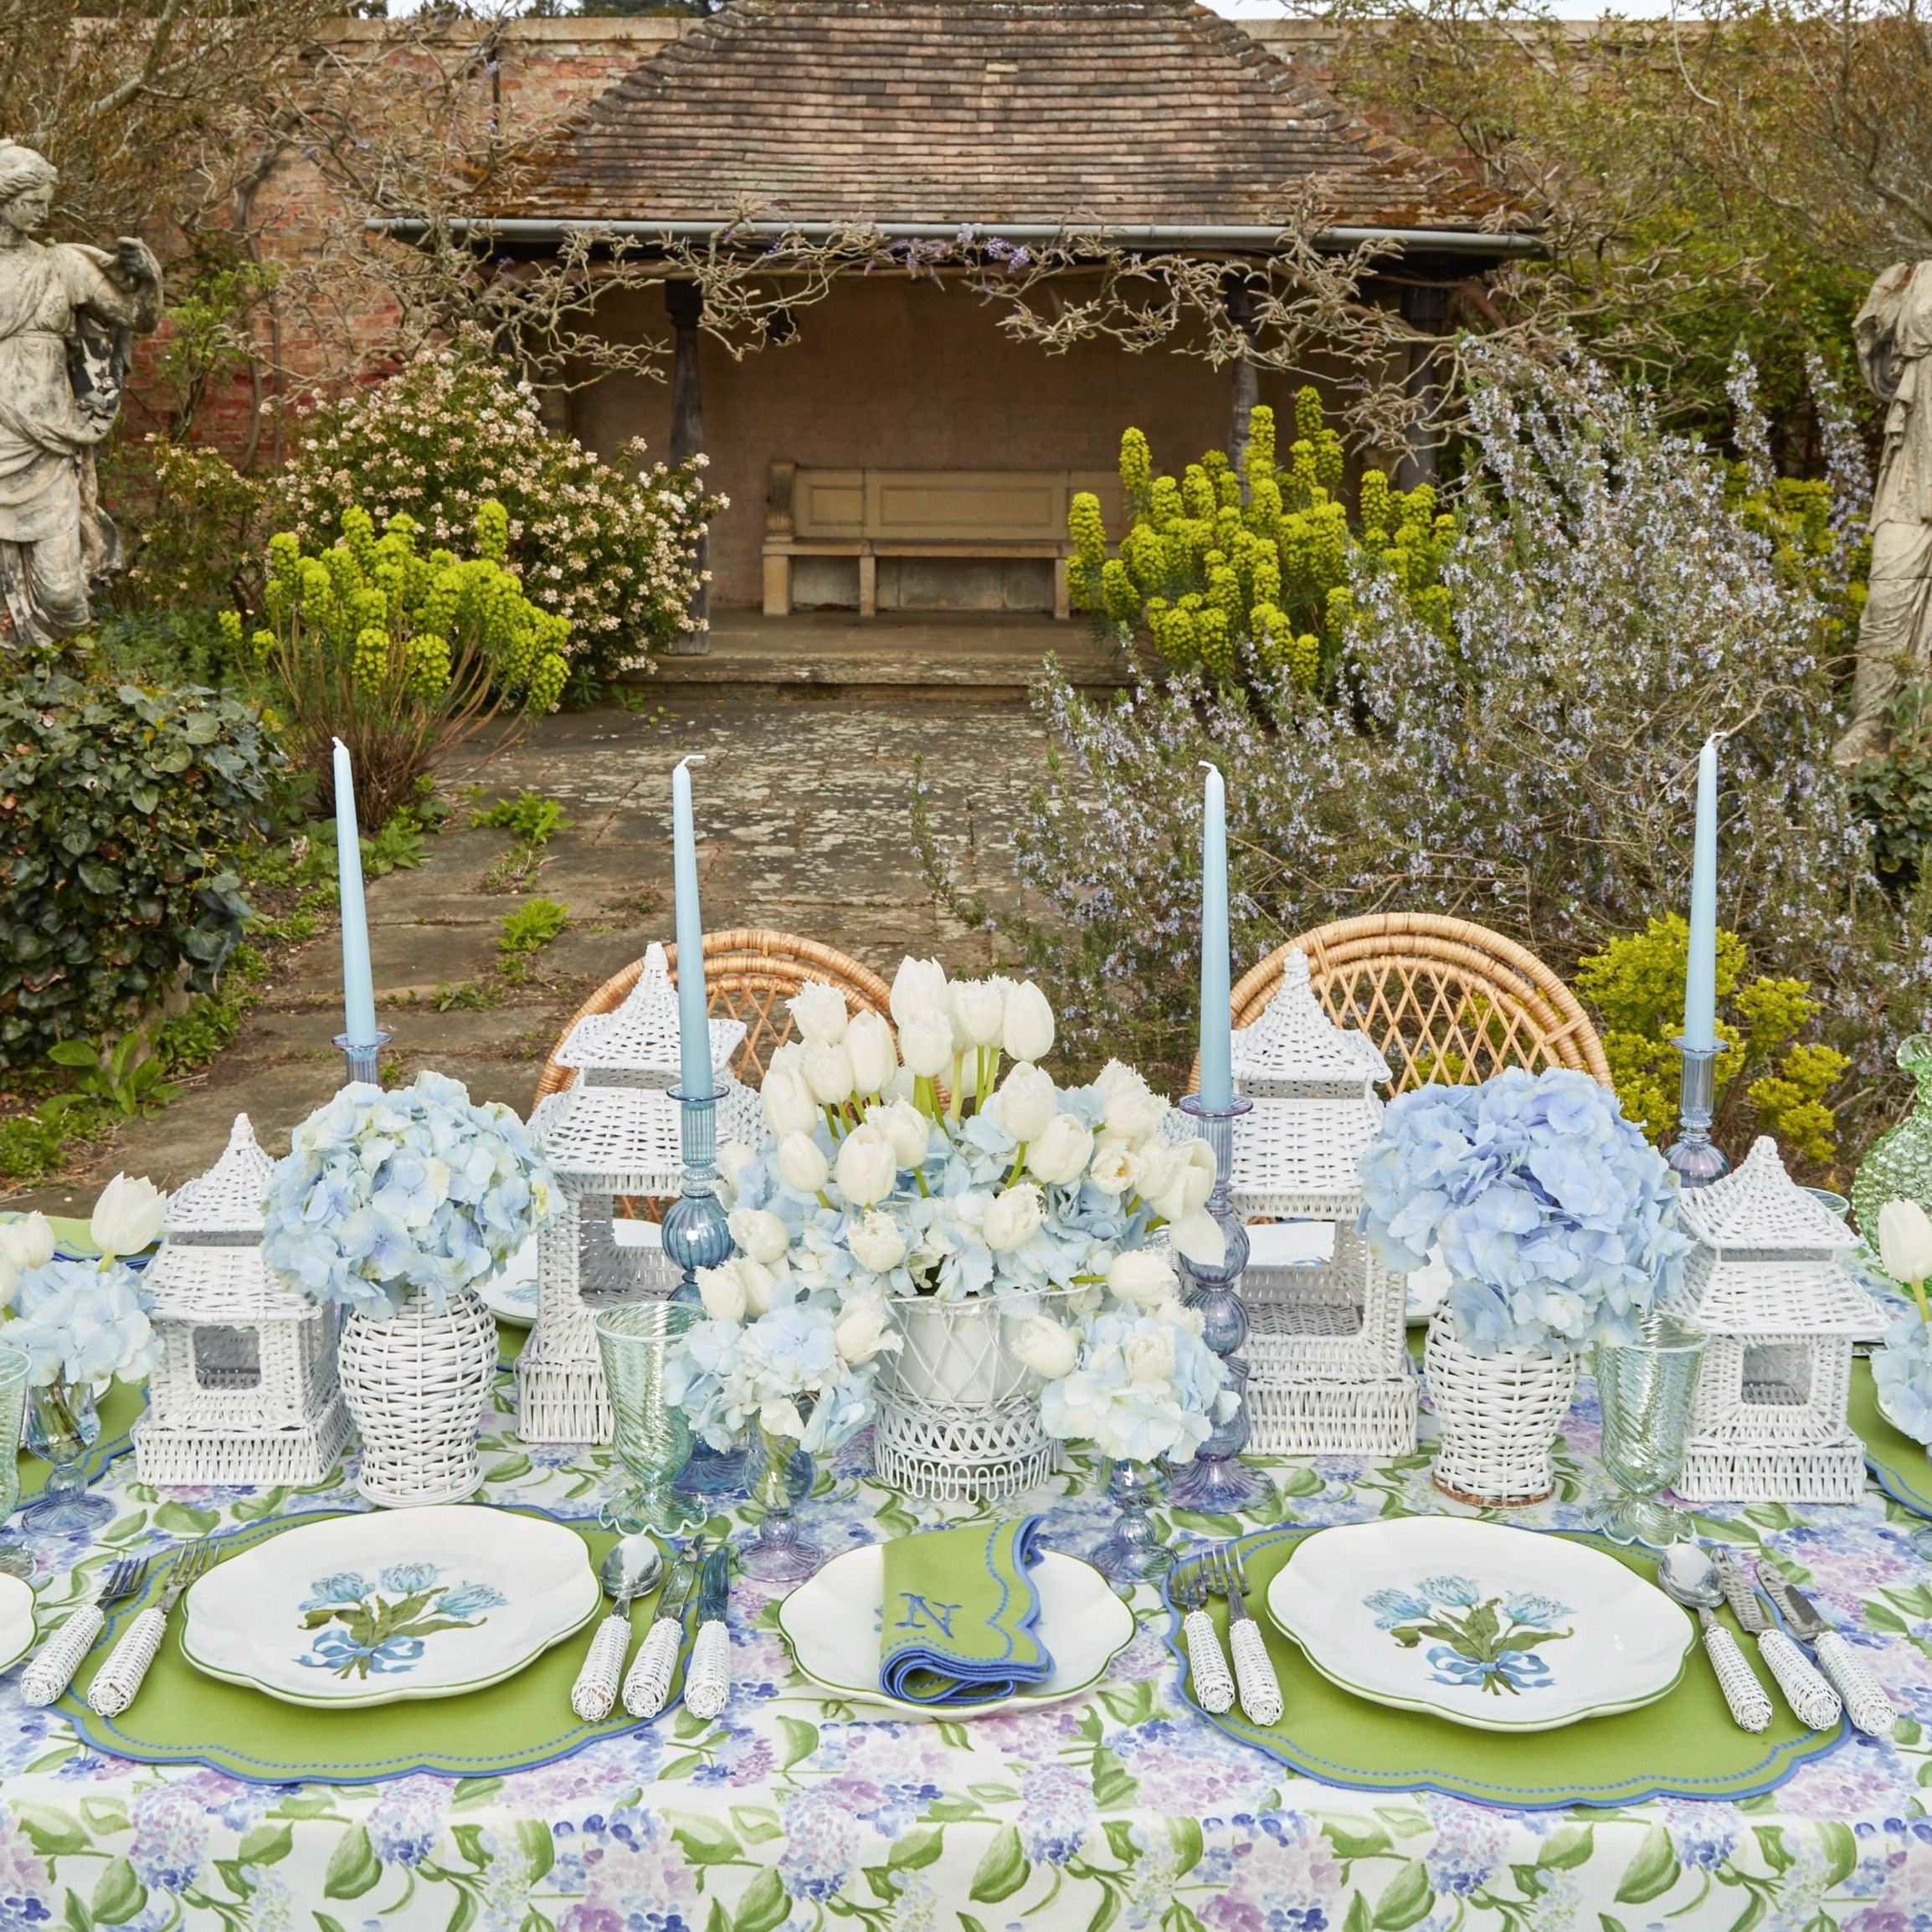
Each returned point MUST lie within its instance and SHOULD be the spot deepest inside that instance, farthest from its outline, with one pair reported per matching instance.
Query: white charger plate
(396, 1603)
(832, 1625)
(16, 1619)
(511, 1294)
(1497, 1628)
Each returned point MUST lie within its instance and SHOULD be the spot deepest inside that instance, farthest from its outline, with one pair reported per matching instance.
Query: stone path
(805, 819)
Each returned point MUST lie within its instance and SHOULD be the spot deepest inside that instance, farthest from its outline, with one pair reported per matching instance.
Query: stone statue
(1893, 335)
(69, 316)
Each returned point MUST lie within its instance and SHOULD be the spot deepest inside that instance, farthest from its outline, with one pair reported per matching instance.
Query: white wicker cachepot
(959, 1412)
(1496, 1417)
(243, 1387)
(416, 1382)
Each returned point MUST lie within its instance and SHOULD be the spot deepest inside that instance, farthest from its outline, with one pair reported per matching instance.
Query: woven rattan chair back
(748, 975)
(1445, 999)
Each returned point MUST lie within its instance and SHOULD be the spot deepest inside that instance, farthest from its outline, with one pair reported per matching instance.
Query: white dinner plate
(16, 1619)
(511, 1294)
(1501, 1629)
(404, 1603)
(832, 1625)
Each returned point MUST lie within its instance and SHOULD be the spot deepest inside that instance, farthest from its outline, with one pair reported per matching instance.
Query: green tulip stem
(1918, 1290)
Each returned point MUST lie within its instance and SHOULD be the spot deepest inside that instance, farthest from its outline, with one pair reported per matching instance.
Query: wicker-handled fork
(1214, 1689)
(118, 1680)
(56, 1661)
(1254, 1674)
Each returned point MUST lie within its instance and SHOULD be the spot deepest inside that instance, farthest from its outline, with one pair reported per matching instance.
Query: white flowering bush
(385, 1193)
(612, 551)
(1530, 764)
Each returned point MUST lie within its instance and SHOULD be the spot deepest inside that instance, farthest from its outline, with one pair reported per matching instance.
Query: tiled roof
(1092, 112)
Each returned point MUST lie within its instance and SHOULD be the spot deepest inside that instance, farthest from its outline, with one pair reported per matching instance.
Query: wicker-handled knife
(1810, 1697)
(707, 1677)
(647, 1684)
(1865, 1703)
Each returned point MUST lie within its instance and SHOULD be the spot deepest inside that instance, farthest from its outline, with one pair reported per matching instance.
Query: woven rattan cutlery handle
(1865, 1703)
(1814, 1700)
(647, 1689)
(56, 1661)
(1260, 1690)
(707, 1677)
(595, 1690)
(117, 1680)
(1214, 1689)
(1742, 1693)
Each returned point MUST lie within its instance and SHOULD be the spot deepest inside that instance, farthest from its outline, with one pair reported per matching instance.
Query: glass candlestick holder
(697, 1235)
(1217, 1480)
(1695, 1159)
(360, 1057)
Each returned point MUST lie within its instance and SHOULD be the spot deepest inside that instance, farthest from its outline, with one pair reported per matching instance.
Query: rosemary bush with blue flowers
(1557, 1220)
(384, 1193)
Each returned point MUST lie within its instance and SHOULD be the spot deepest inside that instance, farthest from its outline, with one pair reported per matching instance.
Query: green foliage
(529, 928)
(1893, 794)
(126, 1077)
(612, 552)
(122, 807)
(1769, 1082)
(193, 525)
(531, 818)
(1249, 575)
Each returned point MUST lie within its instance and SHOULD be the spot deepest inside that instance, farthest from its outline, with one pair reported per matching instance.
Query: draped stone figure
(1894, 335)
(69, 316)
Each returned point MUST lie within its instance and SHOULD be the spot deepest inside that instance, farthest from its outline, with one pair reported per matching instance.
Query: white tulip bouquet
(1902, 1365)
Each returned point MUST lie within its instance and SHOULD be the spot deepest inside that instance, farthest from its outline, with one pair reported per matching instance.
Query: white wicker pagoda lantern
(612, 1134)
(243, 1388)
(1767, 1282)
(1328, 1363)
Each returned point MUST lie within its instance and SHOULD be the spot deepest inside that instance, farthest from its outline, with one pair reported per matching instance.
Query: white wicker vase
(415, 1383)
(958, 1413)
(1496, 1417)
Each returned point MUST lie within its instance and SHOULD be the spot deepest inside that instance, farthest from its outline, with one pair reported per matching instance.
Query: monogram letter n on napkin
(959, 1614)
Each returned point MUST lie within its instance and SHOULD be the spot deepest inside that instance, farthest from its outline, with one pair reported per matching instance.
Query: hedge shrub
(120, 809)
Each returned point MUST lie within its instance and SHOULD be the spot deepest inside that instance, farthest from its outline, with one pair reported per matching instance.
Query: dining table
(796, 1808)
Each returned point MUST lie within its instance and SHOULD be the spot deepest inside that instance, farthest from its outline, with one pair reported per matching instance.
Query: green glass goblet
(650, 1439)
(62, 1425)
(1645, 1390)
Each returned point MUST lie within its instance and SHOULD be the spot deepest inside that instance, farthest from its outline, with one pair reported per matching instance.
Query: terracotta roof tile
(1124, 112)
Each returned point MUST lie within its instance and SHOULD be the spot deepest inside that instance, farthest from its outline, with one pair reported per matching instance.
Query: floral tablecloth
(1121, 1809)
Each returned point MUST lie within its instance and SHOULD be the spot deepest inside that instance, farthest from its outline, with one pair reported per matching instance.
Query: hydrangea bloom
(81, 1322)
(383, 1193)
(1146, 1387)
(1902, 1370)
(1556, 1219)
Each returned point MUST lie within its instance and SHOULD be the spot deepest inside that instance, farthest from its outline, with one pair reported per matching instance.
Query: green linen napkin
(959, 1616)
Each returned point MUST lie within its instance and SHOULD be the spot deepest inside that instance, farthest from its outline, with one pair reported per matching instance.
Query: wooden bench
(971, 514)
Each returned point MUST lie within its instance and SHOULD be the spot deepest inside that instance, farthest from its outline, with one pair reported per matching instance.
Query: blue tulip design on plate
(1482, 1643)
(381, 1628)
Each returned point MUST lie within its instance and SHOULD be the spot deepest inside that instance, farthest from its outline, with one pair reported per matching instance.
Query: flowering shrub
(1556, 1219)
(613, 554)
(1144, 1385)
(1225, 571)
(384, 1193)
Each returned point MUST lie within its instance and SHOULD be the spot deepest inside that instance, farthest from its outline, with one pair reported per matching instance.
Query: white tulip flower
(1047, 1348)
(801, 1163)
(1025, 1103)
(1905, 1241)
(867, 1167)
(758, 1283)
(875, 1242)
(926, 1044)
(778, 1416)
(1113, 1171)
(860, 1332)
(760, 1234)
(787, 1102)
(733, 1157)
(1148, 1354)
(1143, 1276)
(1155, 1168)
(906, 1128)
(1132, 1109)
(129, 1214)
(1013, 1219)
(819, 1013)
(829, 1073)
(1197, 1237)
(978, 1011)
(27, 1242)
(874, 1055)
(1193, 1182)
(1059, 1153)
(918, 991)
(1027, 1026)
(722, 1292)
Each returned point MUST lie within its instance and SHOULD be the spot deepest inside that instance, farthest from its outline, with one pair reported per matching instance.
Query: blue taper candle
(1216, 1026)
(693, 1014)
(358, 986)
(1701, 973)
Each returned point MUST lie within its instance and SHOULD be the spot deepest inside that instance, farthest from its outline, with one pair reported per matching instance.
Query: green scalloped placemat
(1684, 1745)
(182, 1717)
(1900, 1466)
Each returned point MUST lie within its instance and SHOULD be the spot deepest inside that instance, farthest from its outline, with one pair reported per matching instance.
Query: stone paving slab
(803, 813)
